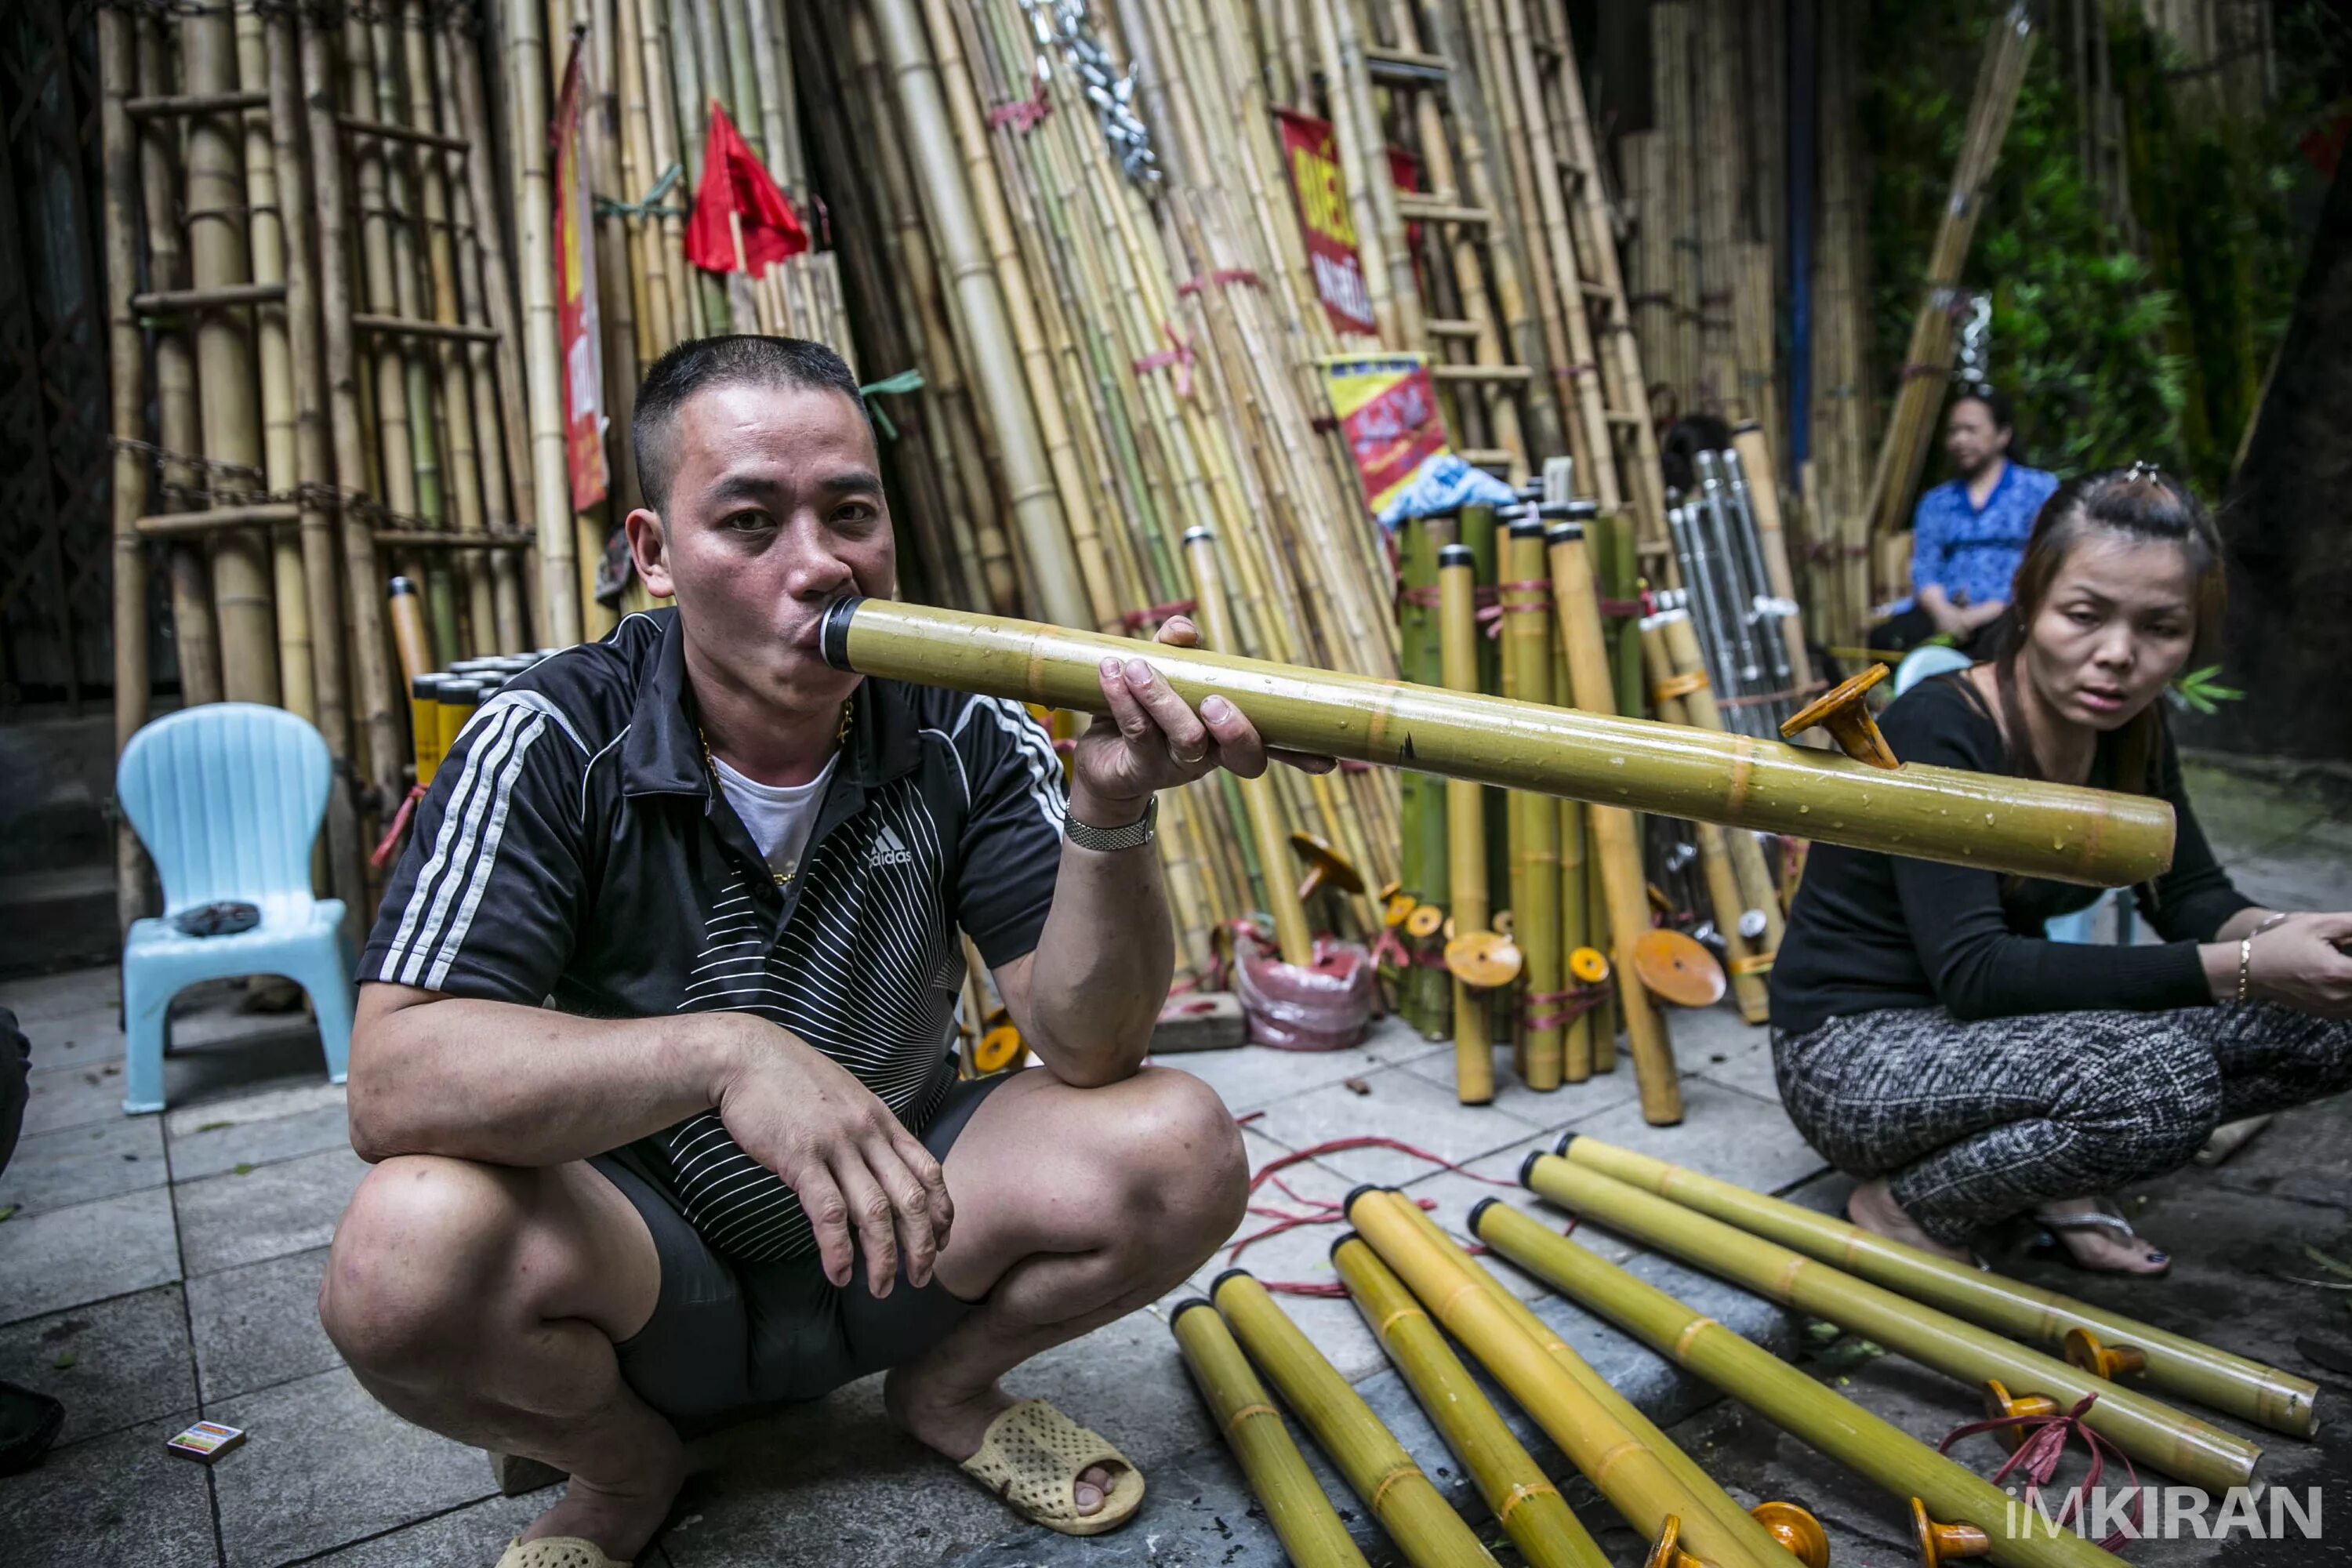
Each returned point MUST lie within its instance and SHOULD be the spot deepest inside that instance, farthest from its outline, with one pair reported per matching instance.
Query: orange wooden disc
(1484, 959)
(1678, 970)
(1424, 921)
(1589, 965)
(998, 1049)
(1397, 909)
(1505, 922)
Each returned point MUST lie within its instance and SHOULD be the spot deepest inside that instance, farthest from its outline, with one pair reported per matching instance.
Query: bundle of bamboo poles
(1844, 407)
(1927, 361)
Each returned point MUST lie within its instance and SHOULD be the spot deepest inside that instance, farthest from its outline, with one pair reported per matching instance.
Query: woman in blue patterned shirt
(1968, 534)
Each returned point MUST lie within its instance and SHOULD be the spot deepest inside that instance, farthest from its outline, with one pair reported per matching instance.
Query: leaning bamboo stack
(1838, 471)
(1927, 361)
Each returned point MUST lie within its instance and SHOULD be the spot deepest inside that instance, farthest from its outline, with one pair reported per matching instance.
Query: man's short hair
(704, 362)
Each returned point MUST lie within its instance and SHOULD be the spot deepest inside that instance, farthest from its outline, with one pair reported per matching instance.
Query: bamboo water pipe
(2231, 1385)
(1709, 1498)
(1465, 828)
(1302, 1517)
(525, 49)
(947, 204)
(1525, 1502)
(1618, 847)
(1535, 819)
(1425, 871)
(1743, 962)
(1292, 935)
(126, 385)
(1631, 1473)
(1782, 1393)
(1406, 1502)
(2027, 828)
(2152, 1432)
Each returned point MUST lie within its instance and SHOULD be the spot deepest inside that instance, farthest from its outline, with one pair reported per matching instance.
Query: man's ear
(649, 550)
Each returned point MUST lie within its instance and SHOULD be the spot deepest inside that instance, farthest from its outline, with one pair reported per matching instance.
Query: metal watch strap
(1110, 840)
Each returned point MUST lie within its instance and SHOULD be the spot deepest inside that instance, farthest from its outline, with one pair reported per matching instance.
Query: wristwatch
(1109, 840)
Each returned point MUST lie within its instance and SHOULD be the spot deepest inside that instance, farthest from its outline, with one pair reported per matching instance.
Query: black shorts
(729, 1338)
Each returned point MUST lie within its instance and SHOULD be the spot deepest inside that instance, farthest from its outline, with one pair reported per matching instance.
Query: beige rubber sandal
(1030, 1458)
(556, 1551)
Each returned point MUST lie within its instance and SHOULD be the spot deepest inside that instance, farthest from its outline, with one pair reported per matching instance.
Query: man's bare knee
(417, 1259)
(1182, 1157)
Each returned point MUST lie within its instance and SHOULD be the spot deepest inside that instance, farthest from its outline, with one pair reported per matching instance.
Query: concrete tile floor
(145, 1303)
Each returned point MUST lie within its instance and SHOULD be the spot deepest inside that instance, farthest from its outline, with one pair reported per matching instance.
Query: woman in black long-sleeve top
(1928, 1038)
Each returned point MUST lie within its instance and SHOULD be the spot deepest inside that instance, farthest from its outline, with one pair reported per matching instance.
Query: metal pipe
(2001, 824)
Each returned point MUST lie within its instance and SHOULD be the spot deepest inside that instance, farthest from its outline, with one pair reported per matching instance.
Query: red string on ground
(2038, 1455)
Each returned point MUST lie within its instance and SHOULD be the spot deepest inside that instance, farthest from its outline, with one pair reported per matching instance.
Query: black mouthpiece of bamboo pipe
(1219, 1282)
(832, 632)
(1199, 530)
(1340, 1241)
(1347, 1204)
(1560, 1149)
(1530, 523)
(1455, 555)
(1482, 1205)
(1529, 1165)
(1563, 533)
(1188, 1304)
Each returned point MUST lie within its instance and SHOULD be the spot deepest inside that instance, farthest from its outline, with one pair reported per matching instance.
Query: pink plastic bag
(1325, 1006)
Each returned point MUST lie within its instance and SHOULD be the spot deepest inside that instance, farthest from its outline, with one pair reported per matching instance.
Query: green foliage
(2112, 353)
(2201, 691)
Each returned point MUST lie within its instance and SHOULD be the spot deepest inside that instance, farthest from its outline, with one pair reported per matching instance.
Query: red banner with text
(1311, 151)
(579, 331)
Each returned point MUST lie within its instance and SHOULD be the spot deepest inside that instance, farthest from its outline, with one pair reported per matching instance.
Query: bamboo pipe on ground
(1406, 1502)
(1525, 604)
(2150, 1432)
(1780, 1393)
(1525, 1503)
(995, 361)
(1616, 845)
(1303, 1518)
(1745, 965)
(2230, 1384)
(1710, 1497)
(2058, 831)
(1292, 935)
(1629, 1469)
(1465, 831)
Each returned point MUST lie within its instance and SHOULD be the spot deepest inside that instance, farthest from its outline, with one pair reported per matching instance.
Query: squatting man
(651, 1056)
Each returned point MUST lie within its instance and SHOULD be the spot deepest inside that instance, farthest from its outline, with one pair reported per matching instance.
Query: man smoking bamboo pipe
(651, 1048)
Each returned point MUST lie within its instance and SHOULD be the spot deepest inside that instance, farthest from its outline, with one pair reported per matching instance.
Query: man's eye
(856, 514)
(745, 521)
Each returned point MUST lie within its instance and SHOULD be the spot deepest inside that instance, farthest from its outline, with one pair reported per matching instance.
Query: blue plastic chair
(228, 798)
(1936, 659)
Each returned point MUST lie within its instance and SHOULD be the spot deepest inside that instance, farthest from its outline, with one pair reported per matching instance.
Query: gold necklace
(710, 766)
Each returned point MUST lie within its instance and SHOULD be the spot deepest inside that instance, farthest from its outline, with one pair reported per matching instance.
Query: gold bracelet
(2246, 964)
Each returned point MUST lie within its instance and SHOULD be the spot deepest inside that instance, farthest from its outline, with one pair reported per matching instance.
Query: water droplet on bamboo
(1987, 820)
(1804, 811)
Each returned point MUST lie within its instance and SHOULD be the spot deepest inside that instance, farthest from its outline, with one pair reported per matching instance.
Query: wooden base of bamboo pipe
(1942, 1544)
(2037, 829)
(1523, 1499)
(1631, 1473)
(1465, 826)
(1406, 1502)
(2231, 1385)
(1303, 1518)
(2151, 1433)
(1577, 602)
(1292, 935)
(1783, 1395)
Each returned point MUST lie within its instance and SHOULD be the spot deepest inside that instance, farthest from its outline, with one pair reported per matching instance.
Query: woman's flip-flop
(2105, 1218)
(557, 1552)
(1030, 1458)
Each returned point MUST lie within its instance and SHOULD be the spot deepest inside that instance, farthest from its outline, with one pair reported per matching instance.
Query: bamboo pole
(551, 474)
(1407, 1504)
(657, 130)
(2149, 1432)
(1389, 279)
(1782, 1393)
(1689, 675)
(126, 385)
(1034, 502)
(1525, 1502)
(1525, 601)
(1466, 838)
(313, 472)
(2038, 830)
(393, 447)
(265, 233)
(1630, 1474)
(1302, 1517)
(1292, 935)
(218, 259)
(363, 582)
(1721, 165)
(1425, 872)
(1695, 1483)
(1617, 845)
(1749, 466)
(1742, 959)
(2232, 1385)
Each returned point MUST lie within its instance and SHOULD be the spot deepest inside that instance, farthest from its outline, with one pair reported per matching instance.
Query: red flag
(735, 188)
